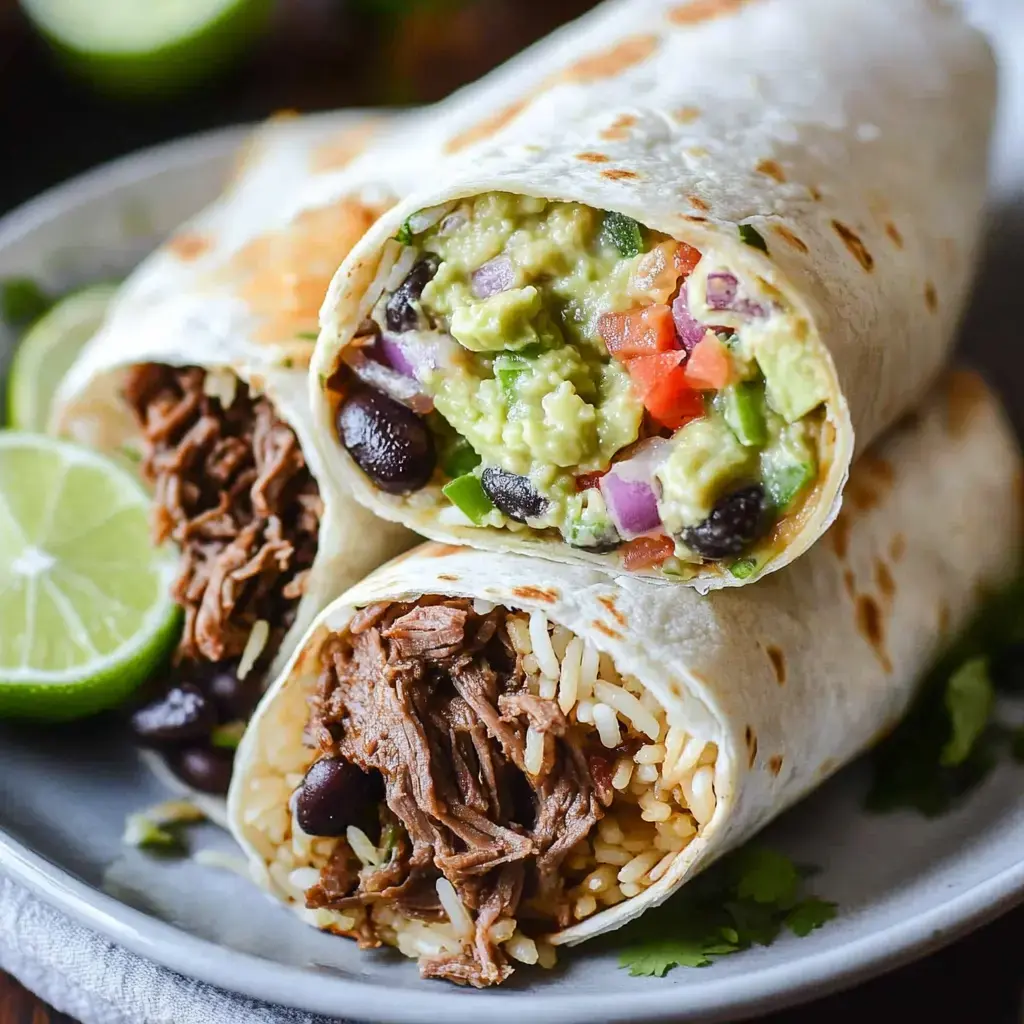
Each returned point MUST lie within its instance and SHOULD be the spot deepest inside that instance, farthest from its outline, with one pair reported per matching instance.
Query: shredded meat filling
(432, 697)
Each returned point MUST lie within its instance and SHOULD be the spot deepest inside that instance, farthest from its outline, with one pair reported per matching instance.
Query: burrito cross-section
(478, 757)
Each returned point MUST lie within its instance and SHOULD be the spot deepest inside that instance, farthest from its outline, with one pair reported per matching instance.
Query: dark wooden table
(322, 54)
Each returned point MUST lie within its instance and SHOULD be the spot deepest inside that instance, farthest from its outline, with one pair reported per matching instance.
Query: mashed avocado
(545, 396)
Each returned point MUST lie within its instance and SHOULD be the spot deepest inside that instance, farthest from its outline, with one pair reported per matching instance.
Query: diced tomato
(645, 552)
(638, 332)
(709, 367)
(587, 480)
(686, 258)
(660, 382)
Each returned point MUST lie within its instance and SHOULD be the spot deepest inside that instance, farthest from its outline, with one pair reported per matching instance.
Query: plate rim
(761, 990)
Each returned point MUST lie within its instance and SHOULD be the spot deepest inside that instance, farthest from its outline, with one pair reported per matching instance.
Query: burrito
(476, 757)
(641, 329)
(198, 377)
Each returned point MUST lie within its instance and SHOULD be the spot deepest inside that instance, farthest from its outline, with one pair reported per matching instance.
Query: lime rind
(82, 622)
(47, 350)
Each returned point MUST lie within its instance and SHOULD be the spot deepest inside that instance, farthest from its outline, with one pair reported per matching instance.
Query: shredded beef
(233, 491)
(433, 698)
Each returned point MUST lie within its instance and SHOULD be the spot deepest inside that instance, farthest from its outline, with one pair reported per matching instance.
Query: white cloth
(96, 982)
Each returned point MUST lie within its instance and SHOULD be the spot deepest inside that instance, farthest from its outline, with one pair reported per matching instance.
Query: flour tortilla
(852, 137)
(791, 679)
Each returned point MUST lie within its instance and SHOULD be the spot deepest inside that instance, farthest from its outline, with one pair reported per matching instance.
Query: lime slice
(128, 46)
(85, 608)
(47, 352)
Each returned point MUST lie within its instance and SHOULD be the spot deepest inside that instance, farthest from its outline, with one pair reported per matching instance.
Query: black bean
(234, 698)
(335, 794)
(736, 521)
(390, 443)
(513, 494)
(401, 314)
(203, 768)
(181, 714)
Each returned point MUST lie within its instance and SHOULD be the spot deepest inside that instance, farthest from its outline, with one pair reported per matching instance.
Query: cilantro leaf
(22, 301)
(753, 237)
(969, 699)
(404, 234)
(623, 233)
(744, 900)
(809, 915)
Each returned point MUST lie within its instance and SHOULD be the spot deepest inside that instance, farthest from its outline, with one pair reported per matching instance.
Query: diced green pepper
(787, 481)
(459, 458)
(744, 568)
(228, 736)
(22, 301)
(752, 237)
(744, 412)
(466, 493)
(624, 233)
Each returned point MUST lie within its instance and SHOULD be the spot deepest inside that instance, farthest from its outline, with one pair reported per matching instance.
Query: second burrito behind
(643, 331)
(474, 757)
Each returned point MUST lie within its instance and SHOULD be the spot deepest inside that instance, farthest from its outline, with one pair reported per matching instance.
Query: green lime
(47, 351)
(148, 46)
(85, 607)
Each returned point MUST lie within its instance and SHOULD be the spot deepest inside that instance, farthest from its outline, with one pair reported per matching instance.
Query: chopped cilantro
(308, 335)
(404, 234)
(623, 233)
(228, 736)
(744, 568)
(22, 301)
(144, 834)
(948, 742)
(753, 237)
(745, 900)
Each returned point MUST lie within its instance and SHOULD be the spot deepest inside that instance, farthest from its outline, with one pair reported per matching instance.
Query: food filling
(474, 779)
(545, 366)
(232, 490)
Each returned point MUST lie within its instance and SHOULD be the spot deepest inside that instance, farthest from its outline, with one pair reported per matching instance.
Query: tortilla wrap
(236, 292)
(768, 690)
(829, 158)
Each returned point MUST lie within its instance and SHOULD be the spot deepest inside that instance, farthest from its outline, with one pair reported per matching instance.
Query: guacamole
(591, 379)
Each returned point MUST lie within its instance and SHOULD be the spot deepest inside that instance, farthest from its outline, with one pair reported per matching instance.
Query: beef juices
(477, 758)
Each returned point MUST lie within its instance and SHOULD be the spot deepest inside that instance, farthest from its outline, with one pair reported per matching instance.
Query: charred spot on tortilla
(778, 662)
(609, 605)
(340, 150)
(931, 297)
(448, 577)
(686, 115)
(869, 623)
(945, 618)
(189, 245)
(694, 218)
(850, 582)
(593, 158)
(815, 193)
(966, 393)
(618, 174)
(697, 11)
(853, 242)
(699, 203)
(535, 594)
(883, 578)
(894, 234)
(788, 236)
(840, 535)
(612, 62)
(772, 169)
(601, 627)
(897, 547)
(488, 127)
(441, 550)
(750, 738)
(775, 764)
(619, 128)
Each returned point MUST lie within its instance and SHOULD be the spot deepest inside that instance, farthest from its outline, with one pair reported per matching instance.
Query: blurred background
(79, 86)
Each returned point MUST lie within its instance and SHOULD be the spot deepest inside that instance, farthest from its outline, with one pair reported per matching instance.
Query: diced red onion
(429, 350)
(689, 330)
(722, 291)
(628, 489)
(493, 277)
(388, 381)
(455, 220)
(394, 355)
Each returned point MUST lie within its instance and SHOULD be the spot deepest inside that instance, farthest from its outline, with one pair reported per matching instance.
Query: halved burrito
(199, 377)
(476, 757)
(642, 331)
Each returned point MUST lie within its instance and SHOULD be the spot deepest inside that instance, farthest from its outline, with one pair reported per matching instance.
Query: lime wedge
(128, 46)
(85, 608)
(47, 352)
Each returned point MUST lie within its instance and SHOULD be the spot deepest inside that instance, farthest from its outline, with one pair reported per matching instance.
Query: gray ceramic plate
(904, 885)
